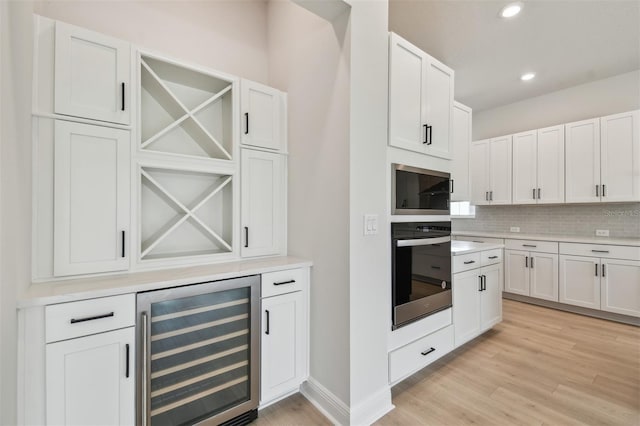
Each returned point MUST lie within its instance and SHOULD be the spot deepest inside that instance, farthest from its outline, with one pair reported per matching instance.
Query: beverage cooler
(199, 353)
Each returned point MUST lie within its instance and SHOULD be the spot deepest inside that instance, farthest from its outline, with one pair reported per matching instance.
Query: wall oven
(421, 265)
(419, 191)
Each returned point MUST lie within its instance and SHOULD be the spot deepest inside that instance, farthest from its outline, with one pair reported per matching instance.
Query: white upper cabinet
(583, 161)
(92, 75)
(491, 171)
(91, 199)
(461, 139)
(263, 203)
(538, 166)
(550, 165)
(620, 157)
(263, 113)
(420, 100)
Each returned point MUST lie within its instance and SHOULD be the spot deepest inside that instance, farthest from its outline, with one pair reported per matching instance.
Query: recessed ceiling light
(511, 10)
(528, 76)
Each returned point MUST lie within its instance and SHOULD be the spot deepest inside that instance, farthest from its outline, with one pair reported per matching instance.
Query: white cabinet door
(263, 203)
(525, 167)
(479, 171)
(283, 351)
(491, 296)
(550, 165)
(466, 306)
(262, 111)
(544, 276)
(461, 140)
(91, 199)
(500, 170)
(92, 75)
(620, 290)
(439, 97)
(517, 272)
(582, 165)
(90, 380)
(580, 281)
(407, 103)
(620, 157)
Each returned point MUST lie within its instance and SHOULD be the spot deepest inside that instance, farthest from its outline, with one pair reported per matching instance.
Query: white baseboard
(326, 402)
(373, 408)
(339, 413)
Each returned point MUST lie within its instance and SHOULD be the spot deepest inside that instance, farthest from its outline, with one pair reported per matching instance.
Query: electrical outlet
(515, 229)
(370, 224)
(602, 232)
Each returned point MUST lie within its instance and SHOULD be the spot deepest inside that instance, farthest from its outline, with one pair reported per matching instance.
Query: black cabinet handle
(529, 245)
(493, 257)
(426, 133)
(469, 262)
(97, 317)
(490, 195)
(532, 262)
(267, 330)
(480, 282)
(604, 190)
(597, 190)
(600, 251)
(534, 193)
(484, 282)
(486, 196)
(435, 267)
(123, 240)
(246, 236)
(246, 123)
(126, 354)
(526, 261)
(539, 192)
(430, 128)
(285, 282)
(122, 90)
(452, 186)
(604, 271)
(428, 351)
(596, 265)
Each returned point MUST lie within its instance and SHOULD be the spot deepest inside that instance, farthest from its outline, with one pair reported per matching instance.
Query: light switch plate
(515, 229)
(602, 232)
(370, 224)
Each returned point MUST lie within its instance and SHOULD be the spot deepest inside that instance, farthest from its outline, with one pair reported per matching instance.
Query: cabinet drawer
(420, 353)
(490, 257)
(75, 319)
(532, 245)
(466, 262)
(601, 250)
(281, 282)
(475, 239)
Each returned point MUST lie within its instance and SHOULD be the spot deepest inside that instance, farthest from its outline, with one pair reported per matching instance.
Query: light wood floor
(538, 367)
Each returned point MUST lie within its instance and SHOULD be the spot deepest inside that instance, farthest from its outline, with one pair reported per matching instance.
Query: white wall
(225, 35)
(309, 61)
(602, 97)
(15, 188)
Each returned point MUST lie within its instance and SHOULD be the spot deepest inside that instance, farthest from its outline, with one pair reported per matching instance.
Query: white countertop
(635, 242)
(465, 247)
(83, 288)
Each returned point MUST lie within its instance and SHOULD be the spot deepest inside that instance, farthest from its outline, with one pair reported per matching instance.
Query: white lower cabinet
(90, 380)
(284, 336)
(579, 281)
(620, 286)
(532, 274)
(477, 301)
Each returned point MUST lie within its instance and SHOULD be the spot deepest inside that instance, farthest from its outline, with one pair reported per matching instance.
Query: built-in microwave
(418, 191)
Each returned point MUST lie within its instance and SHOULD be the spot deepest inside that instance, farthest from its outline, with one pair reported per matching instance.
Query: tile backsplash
(622, 220)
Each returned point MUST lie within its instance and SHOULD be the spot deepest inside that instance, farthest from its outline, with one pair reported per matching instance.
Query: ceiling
(565, 43)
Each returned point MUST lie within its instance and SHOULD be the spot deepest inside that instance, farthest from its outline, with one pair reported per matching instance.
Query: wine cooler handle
(145, 414)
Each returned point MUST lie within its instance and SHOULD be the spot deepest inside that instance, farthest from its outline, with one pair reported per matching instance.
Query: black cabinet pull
(430, 129)
(126, 368)
(267, 330)
(246, 236)
(604, 271)
(123, 240)
(526, 261)
(597, 190)
(484, 282)
(532, 262)
(600, 251)
(469, 262)
(285, 282)
(596, 265)
(122, 90)
(604, 190)
(426, 132)
(428, 351)
(534, 193)
(452, 186)
(486, 196)
(493, 257)
(480, 282)
(529, 245)
(490, 195)
(435, 267)
(77, 320)
(246, 123)
(539, 192)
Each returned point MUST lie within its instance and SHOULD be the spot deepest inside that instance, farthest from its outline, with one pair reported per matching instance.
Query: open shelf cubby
(184, 213)
(184, 111)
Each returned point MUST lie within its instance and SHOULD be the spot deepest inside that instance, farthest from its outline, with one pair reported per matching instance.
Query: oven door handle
(422, 242)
